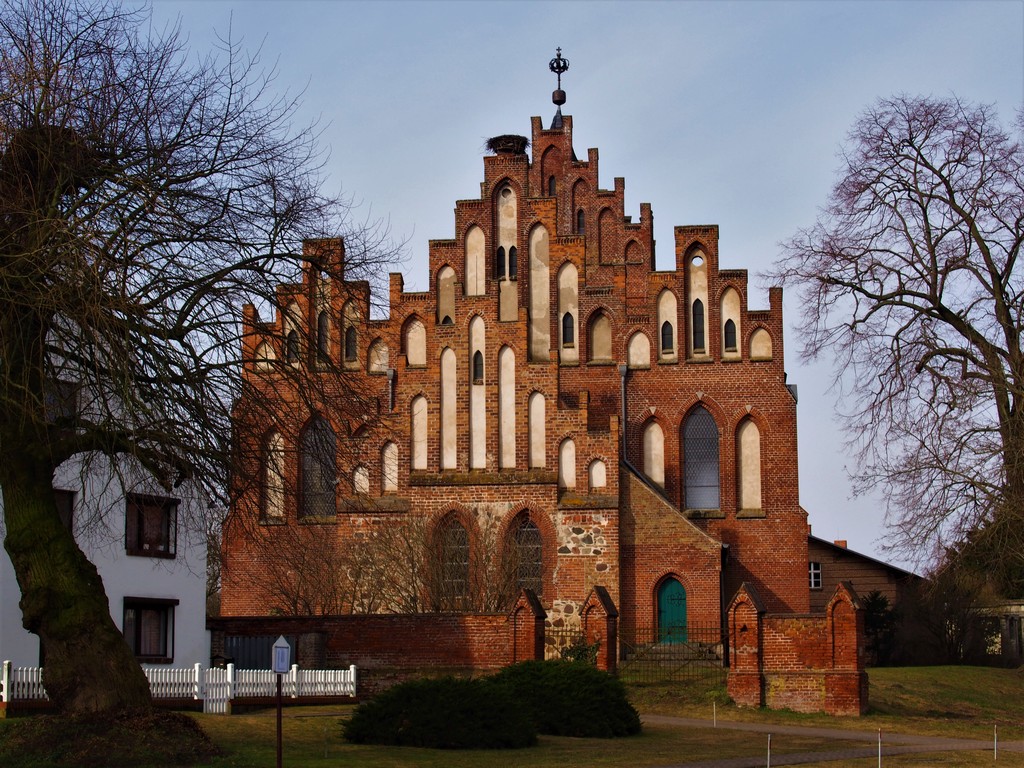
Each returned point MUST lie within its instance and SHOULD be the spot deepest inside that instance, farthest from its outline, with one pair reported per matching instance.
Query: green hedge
(445, 713)
(505, 711)
(571, 699)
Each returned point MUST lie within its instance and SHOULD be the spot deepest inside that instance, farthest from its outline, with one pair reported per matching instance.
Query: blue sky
(728, 113)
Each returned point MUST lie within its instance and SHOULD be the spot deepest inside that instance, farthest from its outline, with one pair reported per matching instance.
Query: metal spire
(558, 65)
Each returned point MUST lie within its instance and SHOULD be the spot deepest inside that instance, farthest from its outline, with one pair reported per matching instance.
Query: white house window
(150, 526)
(148, 629)
(815, 574)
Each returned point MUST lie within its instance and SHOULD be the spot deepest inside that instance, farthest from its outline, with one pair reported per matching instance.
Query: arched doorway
(671, 612)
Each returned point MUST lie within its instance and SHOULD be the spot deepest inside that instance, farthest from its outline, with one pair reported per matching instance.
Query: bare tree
(144, 196)
(391, 565)
(910, 279)
(306, 573)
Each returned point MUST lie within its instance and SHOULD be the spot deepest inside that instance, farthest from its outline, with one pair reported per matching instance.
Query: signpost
(281, 663)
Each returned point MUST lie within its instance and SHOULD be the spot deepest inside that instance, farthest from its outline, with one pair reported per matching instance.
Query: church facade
(553, 413)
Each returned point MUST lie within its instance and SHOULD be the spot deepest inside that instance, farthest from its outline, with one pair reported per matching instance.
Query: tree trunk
(88, 666)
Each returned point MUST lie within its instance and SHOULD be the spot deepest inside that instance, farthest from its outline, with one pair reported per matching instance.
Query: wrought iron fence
(652, 655)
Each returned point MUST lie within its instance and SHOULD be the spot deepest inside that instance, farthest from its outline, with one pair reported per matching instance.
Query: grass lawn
(959, 702)
(949, 701)
(314, 739)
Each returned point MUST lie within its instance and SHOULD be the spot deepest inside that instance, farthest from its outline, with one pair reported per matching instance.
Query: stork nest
(508, 144)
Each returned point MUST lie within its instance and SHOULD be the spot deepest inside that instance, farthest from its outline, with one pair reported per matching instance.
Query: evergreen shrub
(443, 713)
(571, 699)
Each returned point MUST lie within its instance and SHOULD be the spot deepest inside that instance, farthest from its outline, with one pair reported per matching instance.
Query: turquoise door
(672, 612)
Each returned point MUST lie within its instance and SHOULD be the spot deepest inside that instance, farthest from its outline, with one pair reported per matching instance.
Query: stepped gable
(500, 405)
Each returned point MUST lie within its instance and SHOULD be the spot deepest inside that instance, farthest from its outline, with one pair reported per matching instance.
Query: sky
(727, 113)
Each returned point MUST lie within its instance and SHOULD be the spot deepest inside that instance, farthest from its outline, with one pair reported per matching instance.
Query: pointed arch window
(291, 347)
(568, 330)
(273, 477)
(527, 553)
(512, 266)
(551, 186)
(319, 449)
(700, 461)
(478, 367)
(698, 326)
(351, 346)
(323, 336)
(453, 576)
(581, 222)
(667, 337)
(730, 336)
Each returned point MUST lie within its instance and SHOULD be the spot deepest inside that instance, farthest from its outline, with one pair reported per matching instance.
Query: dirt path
(892, 743)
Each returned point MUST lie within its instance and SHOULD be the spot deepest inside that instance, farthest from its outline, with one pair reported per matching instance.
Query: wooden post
(278, 720)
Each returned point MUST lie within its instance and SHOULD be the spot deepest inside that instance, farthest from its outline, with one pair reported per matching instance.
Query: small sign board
(282, 660)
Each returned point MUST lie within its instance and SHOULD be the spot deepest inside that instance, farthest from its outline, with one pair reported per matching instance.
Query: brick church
(553, 413)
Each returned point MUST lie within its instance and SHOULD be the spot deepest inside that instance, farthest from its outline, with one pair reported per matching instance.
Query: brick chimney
(840, 543)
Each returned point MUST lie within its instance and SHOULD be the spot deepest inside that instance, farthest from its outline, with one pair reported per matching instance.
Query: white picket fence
(216, 687)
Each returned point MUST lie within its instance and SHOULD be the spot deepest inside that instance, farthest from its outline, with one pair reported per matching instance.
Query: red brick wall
(659, 542)
(387, 648)
(807, 663)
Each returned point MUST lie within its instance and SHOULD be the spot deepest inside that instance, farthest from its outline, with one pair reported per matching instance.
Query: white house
(150, 550)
